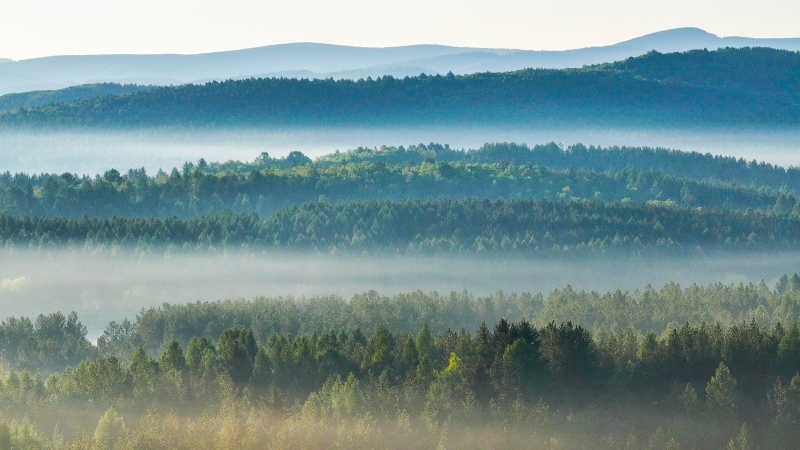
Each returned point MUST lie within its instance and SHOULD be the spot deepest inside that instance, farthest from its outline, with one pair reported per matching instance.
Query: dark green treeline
(423, 226)
(419, 172)
(750, 86)
(729, 373)
(697, 384)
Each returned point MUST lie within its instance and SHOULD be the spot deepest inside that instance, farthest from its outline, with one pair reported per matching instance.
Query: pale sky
(34, 28)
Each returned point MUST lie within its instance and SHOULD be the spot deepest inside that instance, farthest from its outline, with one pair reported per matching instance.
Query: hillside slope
(312, 60)
(742, 87)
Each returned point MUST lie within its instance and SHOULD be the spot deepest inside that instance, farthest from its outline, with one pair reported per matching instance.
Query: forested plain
(751, 87)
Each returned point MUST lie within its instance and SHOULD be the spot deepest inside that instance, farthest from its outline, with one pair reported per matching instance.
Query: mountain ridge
(730, 87)
(339, 61)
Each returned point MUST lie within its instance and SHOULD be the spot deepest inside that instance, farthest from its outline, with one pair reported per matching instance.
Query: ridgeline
(726, 87)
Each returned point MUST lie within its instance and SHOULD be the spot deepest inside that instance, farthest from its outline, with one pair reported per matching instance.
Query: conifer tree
(111, 431)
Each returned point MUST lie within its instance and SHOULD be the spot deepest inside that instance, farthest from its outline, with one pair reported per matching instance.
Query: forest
(417, 370)
(354, 300)
(751, 87)
(494, 171)
(426, 227)
(33, 99)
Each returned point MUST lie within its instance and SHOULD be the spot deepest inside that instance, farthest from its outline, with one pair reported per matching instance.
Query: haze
(93, 153)
(105, 287)
(35, 28)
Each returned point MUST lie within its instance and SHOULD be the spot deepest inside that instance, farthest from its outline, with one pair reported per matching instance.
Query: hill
(12, 102)
(495, 171)
(311, 60)
(728, 87)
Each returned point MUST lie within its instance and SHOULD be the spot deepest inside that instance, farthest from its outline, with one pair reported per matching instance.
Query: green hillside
(754, 87)
(33, 99)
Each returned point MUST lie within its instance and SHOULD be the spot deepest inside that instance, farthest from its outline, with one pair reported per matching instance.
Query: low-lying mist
(95, 152)
(105, 287)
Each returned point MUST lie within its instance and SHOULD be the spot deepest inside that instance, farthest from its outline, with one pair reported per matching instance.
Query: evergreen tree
(237, 350)
(722, 392)
(111, 431)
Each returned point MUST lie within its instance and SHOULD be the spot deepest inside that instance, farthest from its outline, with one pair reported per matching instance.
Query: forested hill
(680, 164)
(754, 87)
(494, 171)
(32, 99)
(427, 226)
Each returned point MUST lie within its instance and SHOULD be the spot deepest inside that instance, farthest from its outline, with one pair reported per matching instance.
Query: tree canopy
(750, 86)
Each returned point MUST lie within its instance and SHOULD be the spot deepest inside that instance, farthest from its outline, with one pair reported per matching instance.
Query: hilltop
(728, 87)
(320, 61)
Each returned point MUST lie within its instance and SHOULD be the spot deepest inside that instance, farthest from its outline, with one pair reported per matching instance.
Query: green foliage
(50, 343)
(789, 350)
(609, 160)
(571, 356)
(743, 440)
(495, 171)
(143, 371)
(428, 227)
(111, 432)
(33, 99)
(173, 359)
(505, 378)
(722, 392)
(237, 351)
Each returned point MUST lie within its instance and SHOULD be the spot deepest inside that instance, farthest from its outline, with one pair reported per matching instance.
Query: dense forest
(495, 171)
(373, 372)
(679, 164)
(698, 366)
(712, 366)
(750, 86)
(427, 226)
(33, 99)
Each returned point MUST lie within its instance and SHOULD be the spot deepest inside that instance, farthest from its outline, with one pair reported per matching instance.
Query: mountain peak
(675, 40)
(683, 32)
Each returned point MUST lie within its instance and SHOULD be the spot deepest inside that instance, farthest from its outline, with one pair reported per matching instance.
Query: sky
(35, 28)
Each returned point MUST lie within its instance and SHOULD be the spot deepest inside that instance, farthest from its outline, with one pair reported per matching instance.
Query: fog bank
(95, 152)
(102, 287)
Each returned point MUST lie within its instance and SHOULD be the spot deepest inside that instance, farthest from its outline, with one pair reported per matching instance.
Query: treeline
(680, 164)
(419, 172)
(552, 386)
(641, 311)
(52, 342)
(194, 192)
(706, 367)
(428, 226)
(753, 87)
(34, 99)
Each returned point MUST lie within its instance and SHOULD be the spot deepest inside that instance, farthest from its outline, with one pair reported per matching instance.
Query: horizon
(42, 28)
(409, 45)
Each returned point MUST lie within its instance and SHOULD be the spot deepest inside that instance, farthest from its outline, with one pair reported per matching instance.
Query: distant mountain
(309, 60)
(747, 87)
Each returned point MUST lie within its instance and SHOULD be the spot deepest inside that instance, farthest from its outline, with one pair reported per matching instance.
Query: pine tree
(173, 359)
(237, 350)
(722, 392)
(111, 431)
(742, 441)
(789, 351)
